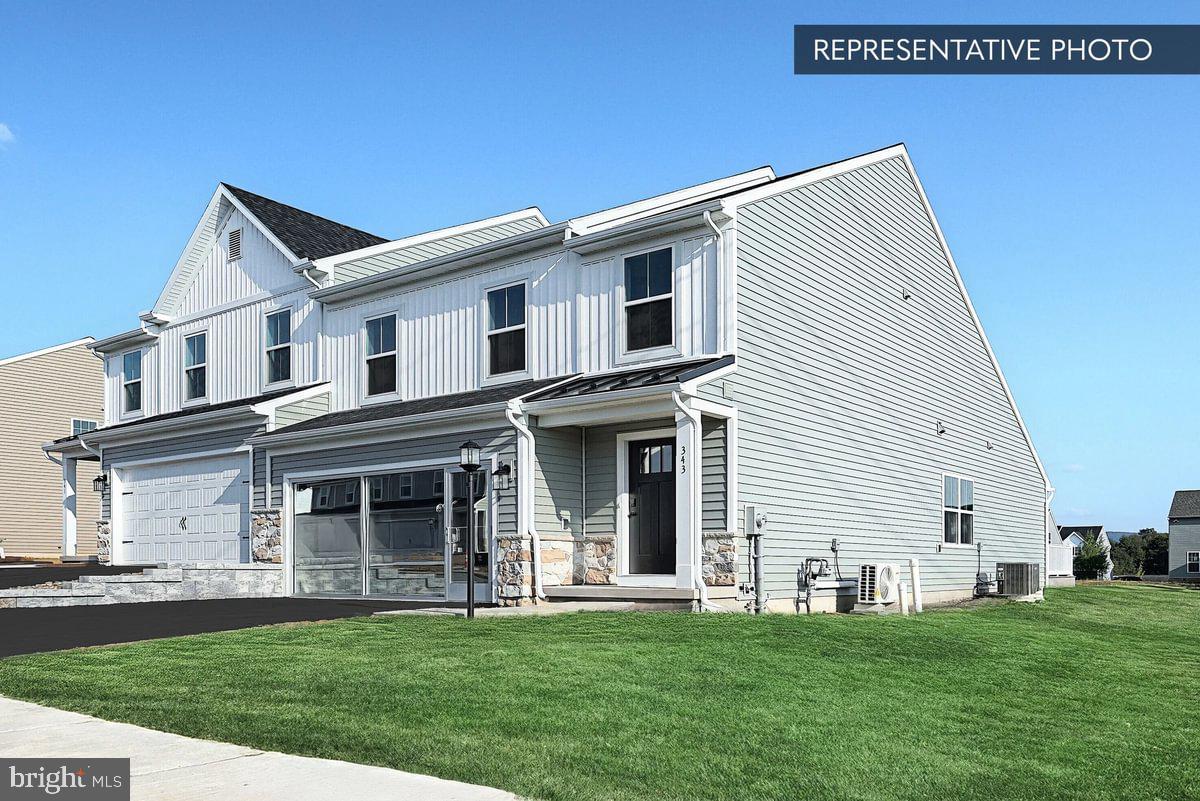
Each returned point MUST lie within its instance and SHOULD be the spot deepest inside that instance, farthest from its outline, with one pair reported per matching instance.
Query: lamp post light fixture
(468, 460)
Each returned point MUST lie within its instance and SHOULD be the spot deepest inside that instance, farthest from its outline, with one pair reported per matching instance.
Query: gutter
(658, 223)
(374, 425)
(525, 512)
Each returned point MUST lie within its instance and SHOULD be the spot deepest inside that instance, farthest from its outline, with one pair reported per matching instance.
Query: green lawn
(1093, 694)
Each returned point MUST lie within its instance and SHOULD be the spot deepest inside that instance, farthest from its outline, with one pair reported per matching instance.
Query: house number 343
(683, 459)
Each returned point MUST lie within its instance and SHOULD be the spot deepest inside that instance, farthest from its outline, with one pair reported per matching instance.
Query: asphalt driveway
(26, 631)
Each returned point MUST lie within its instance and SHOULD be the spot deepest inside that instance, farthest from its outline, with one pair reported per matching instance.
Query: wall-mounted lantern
(100, 482)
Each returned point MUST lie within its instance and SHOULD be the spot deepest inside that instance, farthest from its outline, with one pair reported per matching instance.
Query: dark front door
(652, 506)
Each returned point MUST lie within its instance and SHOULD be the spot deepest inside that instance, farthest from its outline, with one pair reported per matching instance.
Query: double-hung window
(131, 382)
(279, 346)
(649, 316)
(1193, 561)
(195, 367)
(381, 355)
(958, 510)
(506, 330)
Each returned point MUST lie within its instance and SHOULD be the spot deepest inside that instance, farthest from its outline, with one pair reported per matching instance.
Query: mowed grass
(1093, 694)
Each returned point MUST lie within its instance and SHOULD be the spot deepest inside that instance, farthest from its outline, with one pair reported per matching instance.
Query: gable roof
(1186, 503)
(306, 235)
(44, 351)
(1083, 531)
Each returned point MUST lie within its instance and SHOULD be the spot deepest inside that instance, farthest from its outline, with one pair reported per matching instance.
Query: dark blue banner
(997, 49)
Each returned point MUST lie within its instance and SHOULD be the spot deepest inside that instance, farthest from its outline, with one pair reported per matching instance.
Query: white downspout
(525, 522)
(1046, 535)
(721, 345)
(697, 544)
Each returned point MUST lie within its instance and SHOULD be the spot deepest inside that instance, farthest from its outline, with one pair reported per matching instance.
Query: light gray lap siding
(443, 447)
(302, 410)
(558, 483)
(713, 475)
(182, 447)
(1184, 536)
(840, 383)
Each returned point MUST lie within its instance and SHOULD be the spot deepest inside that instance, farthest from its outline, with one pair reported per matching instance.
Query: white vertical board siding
(600, 324)
(235, 350)
(840, 384)
(261, 268)
(440, 336)
(113, 391)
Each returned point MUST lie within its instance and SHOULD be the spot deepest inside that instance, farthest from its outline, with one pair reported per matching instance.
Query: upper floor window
(958, 510)
(195, 366)
(506, 330)
(131, 382)
(82, 426)
(279, 346)
(649, 318)
(381, 355)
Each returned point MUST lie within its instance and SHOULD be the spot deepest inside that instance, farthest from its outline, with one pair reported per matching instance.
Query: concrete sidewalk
(170, 766)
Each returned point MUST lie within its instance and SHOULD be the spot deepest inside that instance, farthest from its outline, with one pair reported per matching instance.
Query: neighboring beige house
(45, 395)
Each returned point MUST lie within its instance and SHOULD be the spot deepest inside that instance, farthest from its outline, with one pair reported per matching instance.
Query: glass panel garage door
(328, 539)
(407, 542)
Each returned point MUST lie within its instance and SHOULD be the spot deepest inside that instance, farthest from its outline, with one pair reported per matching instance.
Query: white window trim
(485, 348)
(624, 354)
(95, 424)
(624, 577)
(1187, 560)
(386, 397)
(943, 509)
(266, 349)
(126, 414)
(185, 400)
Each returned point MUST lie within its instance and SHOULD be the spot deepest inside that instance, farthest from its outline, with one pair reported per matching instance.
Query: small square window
(82, 427)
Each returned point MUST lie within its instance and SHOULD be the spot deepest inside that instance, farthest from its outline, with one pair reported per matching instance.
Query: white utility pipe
(694, 517)
(915, 568)
(525, 493)
(904, 597)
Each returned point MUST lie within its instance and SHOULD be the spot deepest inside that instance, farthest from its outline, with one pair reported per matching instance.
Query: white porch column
(68, 502)
(687, 497)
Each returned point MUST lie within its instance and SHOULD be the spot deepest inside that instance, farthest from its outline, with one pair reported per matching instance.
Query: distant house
(1183, 555)
(1076, 536)
(50, 393)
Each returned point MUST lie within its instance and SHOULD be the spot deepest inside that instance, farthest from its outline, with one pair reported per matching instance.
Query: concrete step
(154, 574)
(614, 592)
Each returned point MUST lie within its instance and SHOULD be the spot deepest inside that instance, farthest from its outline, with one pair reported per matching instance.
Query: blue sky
(1070, 202)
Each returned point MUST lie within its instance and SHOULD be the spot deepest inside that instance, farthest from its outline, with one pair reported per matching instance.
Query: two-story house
(296, 398)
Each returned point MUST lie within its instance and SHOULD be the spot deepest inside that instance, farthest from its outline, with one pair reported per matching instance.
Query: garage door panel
(194, 511)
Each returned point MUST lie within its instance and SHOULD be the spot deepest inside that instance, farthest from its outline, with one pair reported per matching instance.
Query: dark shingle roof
(635, 378)
(1186, 503)
(436, 403)
(1082, 531)
(304, 233)
(193, 410)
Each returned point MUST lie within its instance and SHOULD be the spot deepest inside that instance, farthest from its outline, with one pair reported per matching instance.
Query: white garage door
(195, 511)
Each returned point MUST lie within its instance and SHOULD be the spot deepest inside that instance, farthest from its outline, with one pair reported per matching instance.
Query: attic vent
(235, 244)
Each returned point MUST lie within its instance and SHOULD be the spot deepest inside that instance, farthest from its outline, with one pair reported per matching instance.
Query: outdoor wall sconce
(503, 475)
(100, 482)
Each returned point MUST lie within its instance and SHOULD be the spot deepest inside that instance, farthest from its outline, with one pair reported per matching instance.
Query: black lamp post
(468, 460)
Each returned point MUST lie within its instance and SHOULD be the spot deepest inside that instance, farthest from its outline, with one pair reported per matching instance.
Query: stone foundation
(266, 536)
(179, 582)
(596, 560)
(558, 561)
(514, 571)
(719, 565)
(104, 542)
